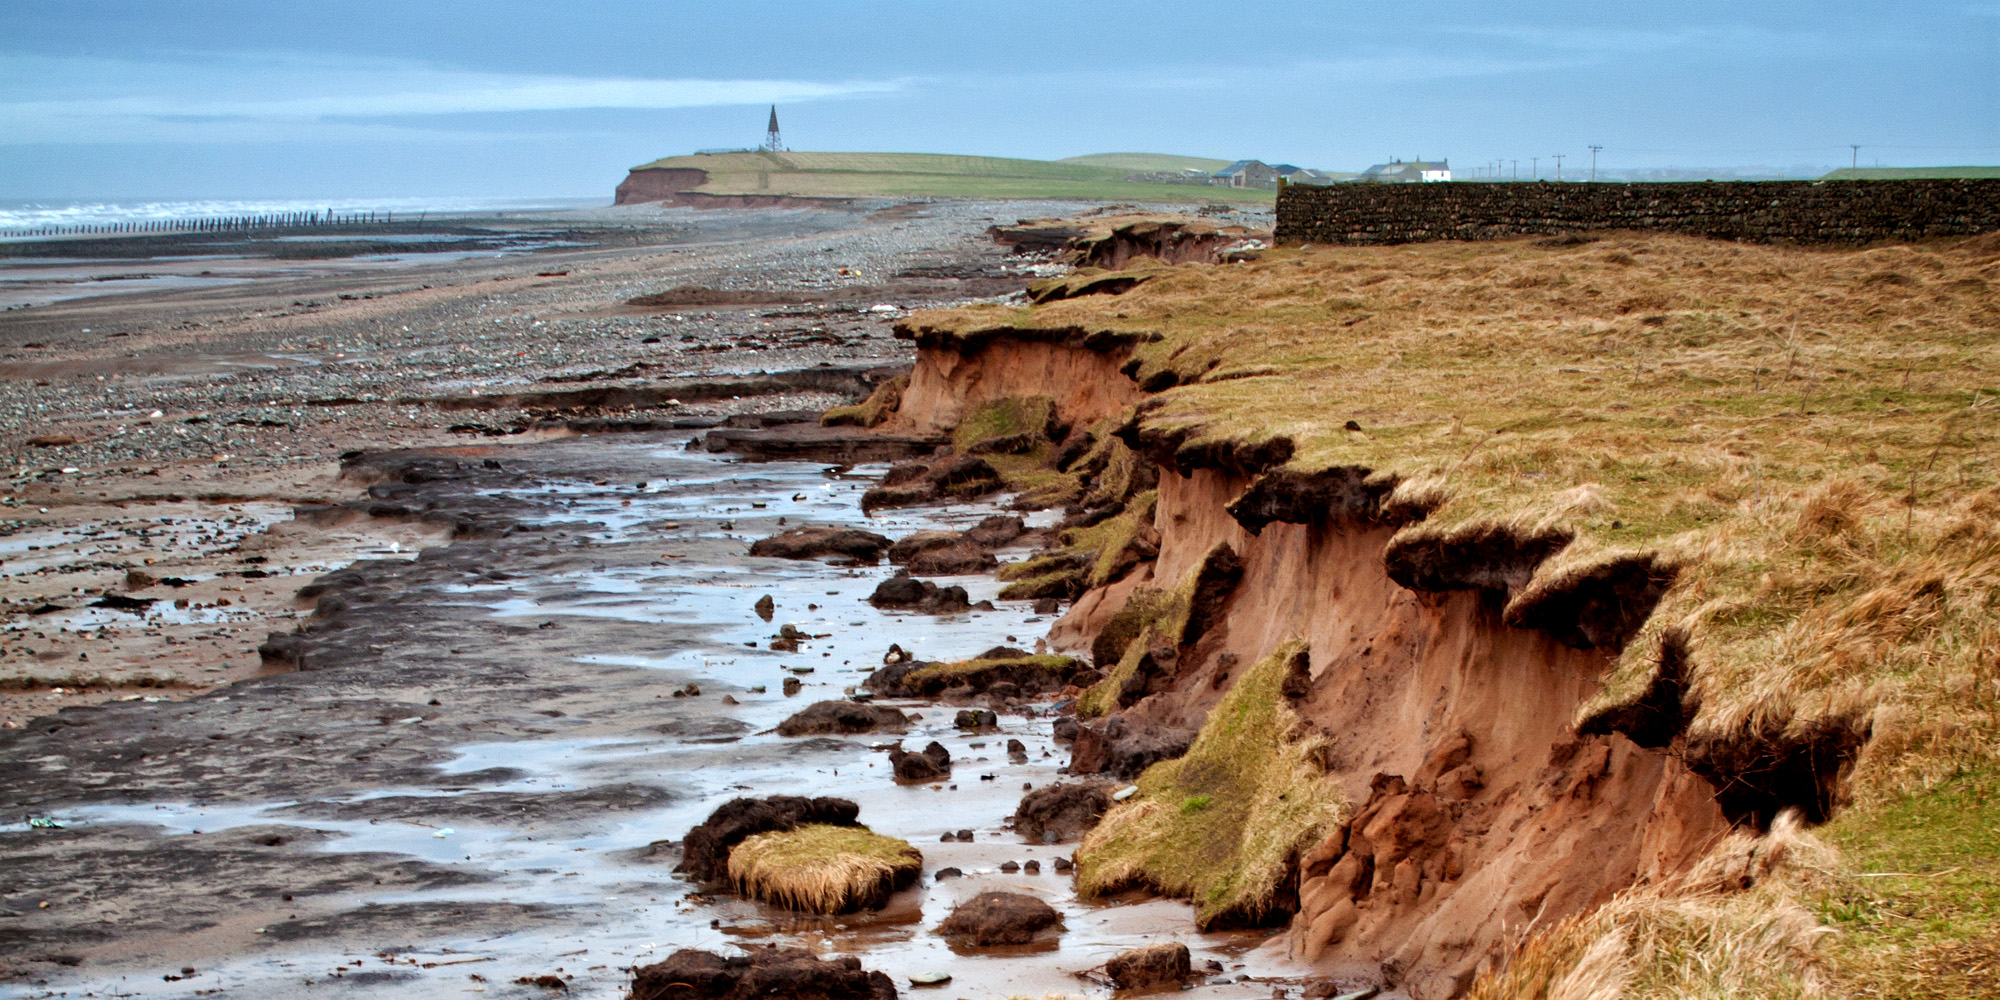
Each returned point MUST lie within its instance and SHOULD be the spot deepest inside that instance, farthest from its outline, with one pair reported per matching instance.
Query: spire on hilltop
(772, 141)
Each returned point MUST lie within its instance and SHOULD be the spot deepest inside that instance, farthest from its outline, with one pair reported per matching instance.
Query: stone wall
(1753, 211)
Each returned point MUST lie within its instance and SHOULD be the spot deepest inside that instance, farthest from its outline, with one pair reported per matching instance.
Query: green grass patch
(1918, 903)
(1153, 162)
(1265, 802)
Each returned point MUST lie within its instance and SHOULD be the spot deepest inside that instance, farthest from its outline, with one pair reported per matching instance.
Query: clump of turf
(1029, 673)
(1088, 557)
(818, 868)
(1175, 617)
(1224, 825)
(870, 412)
(1009, 426)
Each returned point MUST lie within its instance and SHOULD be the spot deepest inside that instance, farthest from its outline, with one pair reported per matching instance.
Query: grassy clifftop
(1806, 444)
(935, 175)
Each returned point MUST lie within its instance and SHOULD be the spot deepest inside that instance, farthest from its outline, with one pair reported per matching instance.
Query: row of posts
(234, 223)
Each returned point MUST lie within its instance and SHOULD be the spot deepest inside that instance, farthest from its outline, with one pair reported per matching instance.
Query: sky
(500, 98)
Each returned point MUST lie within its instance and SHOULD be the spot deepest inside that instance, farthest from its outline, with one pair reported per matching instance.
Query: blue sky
(214, 98)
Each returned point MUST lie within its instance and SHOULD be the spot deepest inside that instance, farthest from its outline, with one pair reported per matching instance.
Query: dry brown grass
(1735, 926)
(819, 868)
(1811, 435)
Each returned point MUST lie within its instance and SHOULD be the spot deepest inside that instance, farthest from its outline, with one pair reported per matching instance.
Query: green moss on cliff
(1267, 801)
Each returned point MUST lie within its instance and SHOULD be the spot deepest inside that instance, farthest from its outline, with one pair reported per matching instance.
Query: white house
(1410, 172)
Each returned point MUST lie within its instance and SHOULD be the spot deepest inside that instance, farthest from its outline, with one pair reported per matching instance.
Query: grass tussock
(871, 411)
(1222, 826)
(819, 868)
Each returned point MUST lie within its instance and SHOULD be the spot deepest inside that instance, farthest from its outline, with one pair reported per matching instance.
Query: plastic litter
(443, 833)
(1125, 793)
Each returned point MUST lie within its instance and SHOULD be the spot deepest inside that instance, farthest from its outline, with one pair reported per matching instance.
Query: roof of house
(1404, 168)
(1239, 167)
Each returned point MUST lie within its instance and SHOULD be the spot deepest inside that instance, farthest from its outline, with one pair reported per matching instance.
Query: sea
(31, 214)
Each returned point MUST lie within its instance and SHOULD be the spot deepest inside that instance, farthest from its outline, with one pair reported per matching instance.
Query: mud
(489, 730)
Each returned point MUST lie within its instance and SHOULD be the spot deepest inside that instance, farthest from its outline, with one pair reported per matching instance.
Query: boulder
(933, 764)
(962, 477)
(795, 973)
(1125, 749)
(813, 542)
(992, 918)
(1153, 965)
(975, 718)
(1062, 812)
(911, 545)
(996, 531)
(705, 850)
(961, 559)
(842, 717)
(904, 591)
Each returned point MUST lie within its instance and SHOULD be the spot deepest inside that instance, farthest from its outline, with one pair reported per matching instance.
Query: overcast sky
(326, 98)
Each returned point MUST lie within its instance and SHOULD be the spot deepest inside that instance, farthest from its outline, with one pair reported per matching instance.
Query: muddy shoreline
(471, 753)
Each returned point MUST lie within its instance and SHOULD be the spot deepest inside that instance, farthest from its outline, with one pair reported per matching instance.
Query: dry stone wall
(1751, 211)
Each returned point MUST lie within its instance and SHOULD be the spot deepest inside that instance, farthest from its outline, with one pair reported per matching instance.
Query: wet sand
(480, 770)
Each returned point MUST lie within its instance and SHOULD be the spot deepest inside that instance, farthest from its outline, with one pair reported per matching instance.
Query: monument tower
(772, 141)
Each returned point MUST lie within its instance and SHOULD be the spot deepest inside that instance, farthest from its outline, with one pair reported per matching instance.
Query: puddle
(606, 900)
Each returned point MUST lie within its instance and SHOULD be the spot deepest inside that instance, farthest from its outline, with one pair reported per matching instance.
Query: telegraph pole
(1534, 168)
(1517, 169)
(1855, 163)
(1593, 163)
(1559, 166)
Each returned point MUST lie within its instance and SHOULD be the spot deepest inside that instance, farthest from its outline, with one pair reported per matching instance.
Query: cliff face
(657, 185)
(1476, 809)
(675, 186)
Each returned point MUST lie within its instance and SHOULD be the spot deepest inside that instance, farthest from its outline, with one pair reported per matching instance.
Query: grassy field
(835, 175)
(1809, 435)
(1161, 162)
(1908, 173)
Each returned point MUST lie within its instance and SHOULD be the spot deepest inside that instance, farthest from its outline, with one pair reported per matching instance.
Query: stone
(841, 717)
(904, 591)
(1066, 809)
(795, 973)
(1124, 748)
(975, 718)
(933, 764)
(992, 918)
(813, 542)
